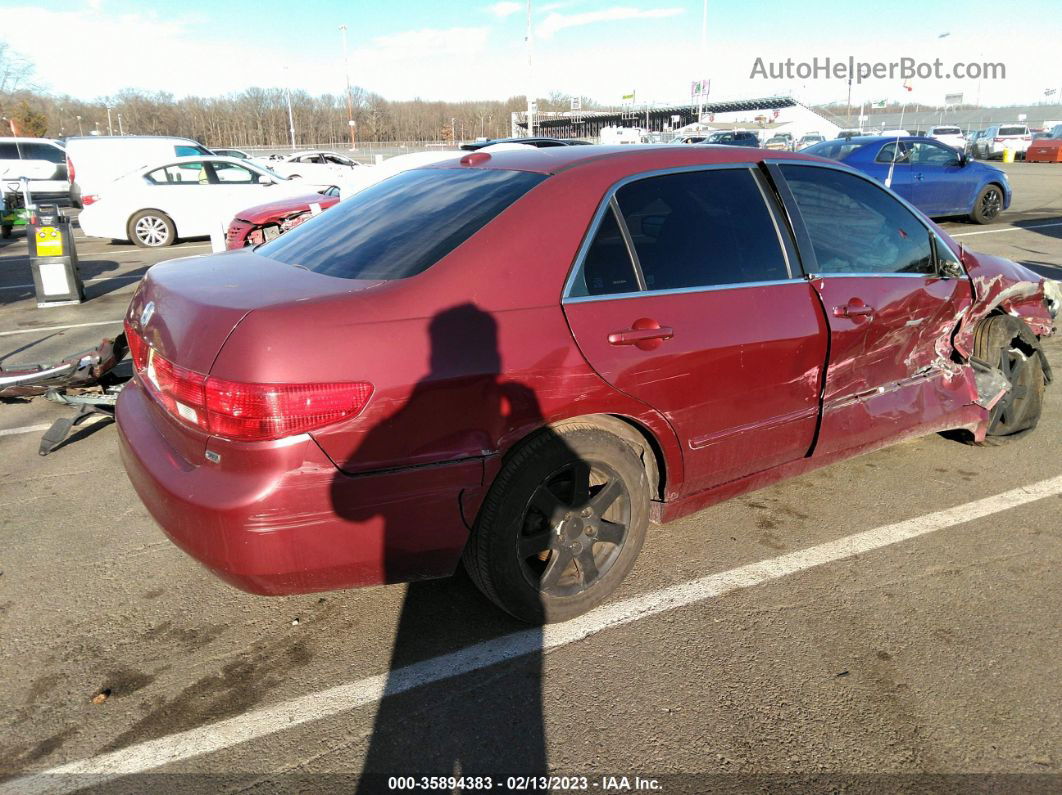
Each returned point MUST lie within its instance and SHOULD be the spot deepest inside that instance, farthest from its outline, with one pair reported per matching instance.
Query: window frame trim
(609, 202)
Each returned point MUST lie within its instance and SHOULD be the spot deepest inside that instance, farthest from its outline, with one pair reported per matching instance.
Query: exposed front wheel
(562, 524)
(988, 205)
(1007, 343)
(152, 229)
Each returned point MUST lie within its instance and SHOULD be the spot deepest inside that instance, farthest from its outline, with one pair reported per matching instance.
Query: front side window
(702, 228)
(855, 226)
(232, 173)
(402, 225)
(182, 150)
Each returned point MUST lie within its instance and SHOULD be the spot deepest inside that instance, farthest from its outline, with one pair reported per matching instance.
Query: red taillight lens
(272, 411)
(92, 198)
(998, 140)
(137, 347)
(70, 173)
(243, 411)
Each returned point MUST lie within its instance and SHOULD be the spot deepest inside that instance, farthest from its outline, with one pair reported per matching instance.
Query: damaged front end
(271, 231)
(85, 381)
(1003, 287)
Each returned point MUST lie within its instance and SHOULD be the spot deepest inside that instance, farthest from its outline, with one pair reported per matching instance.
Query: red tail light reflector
(92, 198)
(70, 170)
(239, 410)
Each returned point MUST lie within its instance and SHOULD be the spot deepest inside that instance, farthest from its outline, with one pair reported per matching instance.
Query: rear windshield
(947, 131)
(1013, 130)
(838, 149)
(403, 225)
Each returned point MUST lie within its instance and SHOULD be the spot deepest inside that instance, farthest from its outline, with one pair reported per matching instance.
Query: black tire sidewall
(501, 519)
(991, 342)
(977, 215)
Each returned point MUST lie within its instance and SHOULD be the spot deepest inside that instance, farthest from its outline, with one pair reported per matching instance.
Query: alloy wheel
(151, 230)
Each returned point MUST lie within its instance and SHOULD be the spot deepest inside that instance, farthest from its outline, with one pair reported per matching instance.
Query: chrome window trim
(582, 299)
(607, 202)
(871, 275)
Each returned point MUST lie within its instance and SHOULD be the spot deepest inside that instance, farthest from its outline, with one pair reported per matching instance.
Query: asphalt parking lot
(771, 640)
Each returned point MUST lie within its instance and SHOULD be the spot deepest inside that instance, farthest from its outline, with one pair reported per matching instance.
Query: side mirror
(264, 180)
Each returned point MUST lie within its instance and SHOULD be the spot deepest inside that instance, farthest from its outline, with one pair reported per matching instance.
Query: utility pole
(110, 128)
(121, 130)
(350, 102)
(530, 78)
(704, 59)
(80, 129)
(291, 116)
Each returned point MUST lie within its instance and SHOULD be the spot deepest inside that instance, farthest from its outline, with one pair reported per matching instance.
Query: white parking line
(1005, 229)
(87, 281)
(23, 429)
(60, 328)
(224, 734)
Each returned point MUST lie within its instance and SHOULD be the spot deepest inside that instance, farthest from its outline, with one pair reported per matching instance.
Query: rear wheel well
(636, 435)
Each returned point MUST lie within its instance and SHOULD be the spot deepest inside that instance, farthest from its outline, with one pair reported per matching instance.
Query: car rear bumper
(280, 518)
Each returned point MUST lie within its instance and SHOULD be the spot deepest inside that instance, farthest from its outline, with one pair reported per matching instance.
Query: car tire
(5, 232)
(152, 229)
(1005, 342)
(988, 205)
(539, 549)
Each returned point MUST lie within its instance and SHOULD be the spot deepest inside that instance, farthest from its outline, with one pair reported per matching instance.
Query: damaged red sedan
(521, 359)
(264, 222)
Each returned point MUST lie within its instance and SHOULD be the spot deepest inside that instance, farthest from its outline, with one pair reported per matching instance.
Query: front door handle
(645, 333)
(919, 176)
(853, 310)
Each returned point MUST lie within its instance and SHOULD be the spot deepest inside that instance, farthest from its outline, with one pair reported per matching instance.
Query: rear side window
(833, 150)
(702, 228)
(34, 151)
(403, 225)
(607, 268)
(8, 151)
(855, 226)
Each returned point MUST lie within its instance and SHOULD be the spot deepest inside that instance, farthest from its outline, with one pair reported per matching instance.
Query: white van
(40, 160)
(93, 161)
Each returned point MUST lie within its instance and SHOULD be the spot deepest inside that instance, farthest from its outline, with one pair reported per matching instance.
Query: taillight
(70, 173)
(239, 410)
(998, 140)
(92, 198)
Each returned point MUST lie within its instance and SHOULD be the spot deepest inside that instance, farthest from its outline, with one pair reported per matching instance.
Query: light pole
(80, 129)
(291, 116)
(530, 78)
(121, 130)
(110, 128)
(350, 102)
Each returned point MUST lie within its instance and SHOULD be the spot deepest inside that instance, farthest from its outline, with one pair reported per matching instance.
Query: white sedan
(316, 166)
(183, 197)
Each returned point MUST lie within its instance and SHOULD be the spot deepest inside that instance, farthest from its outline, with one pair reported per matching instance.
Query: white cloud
(555, 22)
(429, 41)
(506, 9)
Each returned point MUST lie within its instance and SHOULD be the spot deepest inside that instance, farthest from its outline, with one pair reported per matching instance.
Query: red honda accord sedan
(523, 358)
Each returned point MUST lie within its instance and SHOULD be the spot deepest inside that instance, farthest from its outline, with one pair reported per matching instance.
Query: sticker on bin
(49, 243)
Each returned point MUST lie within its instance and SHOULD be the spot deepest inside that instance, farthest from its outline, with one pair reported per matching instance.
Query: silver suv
(42, 160)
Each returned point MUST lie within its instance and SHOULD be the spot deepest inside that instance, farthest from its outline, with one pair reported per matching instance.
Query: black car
(541, 143)
(733, 138)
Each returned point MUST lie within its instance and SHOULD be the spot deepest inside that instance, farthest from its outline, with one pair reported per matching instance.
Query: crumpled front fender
(1000, 284)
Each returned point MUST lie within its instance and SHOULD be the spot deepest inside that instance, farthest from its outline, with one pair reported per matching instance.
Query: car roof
(553, 160)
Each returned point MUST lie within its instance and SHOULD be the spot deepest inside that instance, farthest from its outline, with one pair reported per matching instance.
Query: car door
(940, 184)
(234, 187)
(683, 298)
(891, 315)
(892, 168)
(181, 191)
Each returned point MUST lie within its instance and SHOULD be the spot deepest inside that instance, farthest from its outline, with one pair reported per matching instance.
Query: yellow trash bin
(1008, 154)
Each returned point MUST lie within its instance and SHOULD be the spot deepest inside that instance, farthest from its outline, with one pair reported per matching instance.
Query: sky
(466, 50)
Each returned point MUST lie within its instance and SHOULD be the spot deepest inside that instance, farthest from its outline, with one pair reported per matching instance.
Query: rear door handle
(633, 336)
(853, 310)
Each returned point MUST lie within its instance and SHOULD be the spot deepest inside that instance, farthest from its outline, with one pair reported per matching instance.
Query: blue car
(932, 176)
